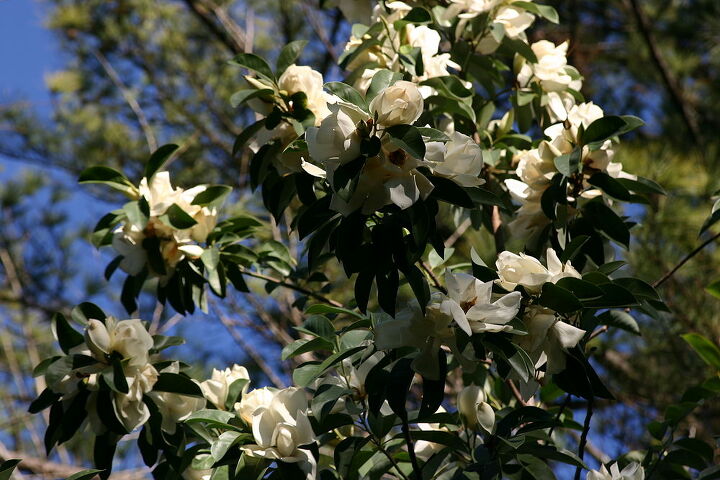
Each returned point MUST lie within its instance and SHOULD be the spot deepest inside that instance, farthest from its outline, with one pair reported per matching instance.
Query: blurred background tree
(141, 73)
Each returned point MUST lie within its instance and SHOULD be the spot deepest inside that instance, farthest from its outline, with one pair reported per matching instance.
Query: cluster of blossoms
(391, 46)
(536, 168)
(141, 238)
(474, 307)
(128, 344)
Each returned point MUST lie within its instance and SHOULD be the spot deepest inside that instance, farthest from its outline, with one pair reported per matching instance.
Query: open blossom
(304, 79)
(521, 269)
(427, 332)
(336, 141)
(548, 338)
(474, 410)
(551, 70)
(460, 160)
(469, 302)
(252, 400)
(389, 178)
(470, 8)
(129, 338)
(174, 244)
(397, 104)
(130, 408)
(217, 388)
(633, 471)
(281, 428)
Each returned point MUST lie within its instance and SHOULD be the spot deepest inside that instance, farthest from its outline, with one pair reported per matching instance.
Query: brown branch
(452, 239)
(516, 392)
(47, 468)
(685, 259)
(672, 86)
(435, 280)
(208, 15)
(129, 98)
(497, 229)
(252, 353)
(292, 286)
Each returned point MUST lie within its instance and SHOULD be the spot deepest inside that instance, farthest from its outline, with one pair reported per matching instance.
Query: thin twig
(129, 98)
(292, 286)
(458, 233)
(672, 86)
(435, 280)
(252, 353)
(516, 392)
(583, 437)
(411, 448)
(685, 260)
(201, 11)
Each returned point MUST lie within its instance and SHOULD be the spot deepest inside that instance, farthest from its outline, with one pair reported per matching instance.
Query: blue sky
(27, 52)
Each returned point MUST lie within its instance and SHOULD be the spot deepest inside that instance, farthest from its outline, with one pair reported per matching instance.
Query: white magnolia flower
(515, 20)
(175, 408)
(522, 269)
(129, 338)
(281, 428)
(336, 141)
(127, 241)
(130, 408)
(401, 103)
(310, 82)
(551, 69)
(470, 8)
(390, 178)
(425, 449)
(428, 332)
(460, 159)
(254, 399)
(474, 410)
(633, 471)
(216, 389)
(548, 338)
(469, 303)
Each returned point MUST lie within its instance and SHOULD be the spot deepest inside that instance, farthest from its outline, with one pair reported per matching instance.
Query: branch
(129, 98)
(292, 286)
(252, 353)
(583, 437)
(516, 393)
(685, 259)
(671, 84)
(436, 281)
(233, 39)
(46, 468)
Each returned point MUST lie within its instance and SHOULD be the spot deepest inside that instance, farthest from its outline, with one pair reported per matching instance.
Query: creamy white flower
(460, 159)
(527, 271)
(296, 79)
(391, 177)
(515, 20)
(127, 241)
(336, 141)
(469, 303)
(129, 338)
(548, 338)
(471, 8)
(428, 332)
(521, 269)
(474, 410)
(251, 401)
(175, 408)
(633, 471)
(557, 269)
(216, 389)
(401, 103)
(130, 409)
(280, 428)
(551, 69)
(425, 449)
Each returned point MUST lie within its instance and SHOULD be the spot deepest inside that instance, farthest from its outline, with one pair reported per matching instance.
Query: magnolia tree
(448, 116)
